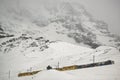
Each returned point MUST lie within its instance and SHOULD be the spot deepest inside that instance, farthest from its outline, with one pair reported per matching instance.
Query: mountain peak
(53, 18)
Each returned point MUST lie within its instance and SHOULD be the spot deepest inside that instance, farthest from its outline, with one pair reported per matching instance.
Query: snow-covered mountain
(55, 20)
(38, 33)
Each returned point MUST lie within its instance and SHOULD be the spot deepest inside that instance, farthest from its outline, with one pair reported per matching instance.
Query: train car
(73, 67)
(108, 62)
(28, 73)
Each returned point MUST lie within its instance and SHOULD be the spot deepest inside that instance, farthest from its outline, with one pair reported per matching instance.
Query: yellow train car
(28, 73)
(73, 67)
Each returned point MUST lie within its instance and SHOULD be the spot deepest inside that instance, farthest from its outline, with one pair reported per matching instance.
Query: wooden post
(9, 74)
(58, 64)
(30, 68)
(93, 58)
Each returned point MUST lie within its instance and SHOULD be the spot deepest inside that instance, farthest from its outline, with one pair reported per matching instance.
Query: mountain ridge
(60, 20)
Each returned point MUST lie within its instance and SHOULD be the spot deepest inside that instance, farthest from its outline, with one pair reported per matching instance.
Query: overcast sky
(106, 10)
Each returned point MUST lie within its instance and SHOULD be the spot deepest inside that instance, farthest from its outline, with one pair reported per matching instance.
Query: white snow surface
(51, 75)
(50, 19)
(66, 54)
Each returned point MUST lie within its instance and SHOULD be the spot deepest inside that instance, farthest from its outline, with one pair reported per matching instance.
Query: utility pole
(30, 68)
(93, 58)
(58, 64)
(9, 74)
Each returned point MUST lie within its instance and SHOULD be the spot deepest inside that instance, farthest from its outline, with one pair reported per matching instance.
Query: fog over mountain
(38, 33)
(106, 10)
(56, 20)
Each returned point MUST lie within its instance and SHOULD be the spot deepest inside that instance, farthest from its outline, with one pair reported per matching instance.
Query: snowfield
(51, 75)
(66, 54)
(59, 33)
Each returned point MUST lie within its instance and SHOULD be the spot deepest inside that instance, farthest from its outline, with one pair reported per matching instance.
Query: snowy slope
(64, 53)
(110, 72)
(33, 55)
(51, 75)
(38, 33)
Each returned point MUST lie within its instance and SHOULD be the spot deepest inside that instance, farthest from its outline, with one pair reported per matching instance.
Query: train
(73, 67)
(28, 73)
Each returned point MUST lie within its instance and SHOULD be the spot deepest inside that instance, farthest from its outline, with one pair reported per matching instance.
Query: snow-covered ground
(66, 54)
(45, 34)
